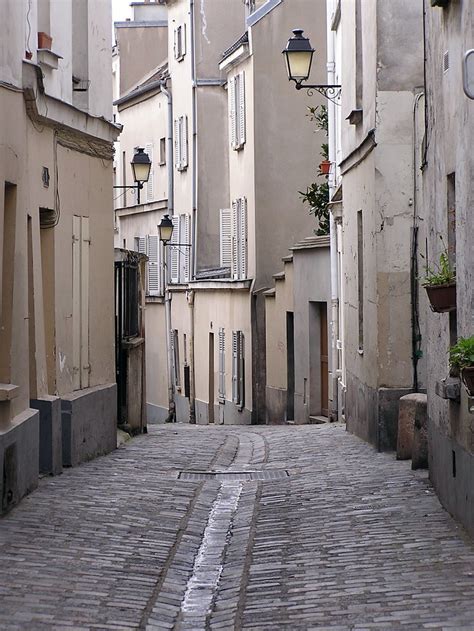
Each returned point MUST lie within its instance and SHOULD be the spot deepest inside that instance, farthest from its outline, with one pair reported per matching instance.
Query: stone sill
(8, 391)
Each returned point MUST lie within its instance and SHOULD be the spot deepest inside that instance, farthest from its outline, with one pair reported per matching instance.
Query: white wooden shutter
(221, 364)
(175, 349)
(242, 241)
(153, 286)
(226, 237)
(76, 302)
(177, 154)
(235, 239)
(241, 371)
(183, 40)
(149, 184)
(184, 142)
(85, 247)
(235, 367)
(174, 251)
(175, 43)
(232, 114)
(185, 255)
(241, 106)
(140, 245)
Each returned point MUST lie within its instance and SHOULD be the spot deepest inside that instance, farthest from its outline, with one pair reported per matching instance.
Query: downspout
(332, 141)
(171, 403)
(193, 258)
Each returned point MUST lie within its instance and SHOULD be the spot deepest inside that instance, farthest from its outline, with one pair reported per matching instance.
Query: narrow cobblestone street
(313, 529)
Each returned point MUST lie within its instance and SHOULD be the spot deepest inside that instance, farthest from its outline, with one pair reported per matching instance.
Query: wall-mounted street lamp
(299, 57)
(141, 167)
(165, 230)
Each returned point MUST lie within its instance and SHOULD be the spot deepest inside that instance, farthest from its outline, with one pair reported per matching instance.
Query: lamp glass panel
(166, 233)
(299, 64)
(141, 172)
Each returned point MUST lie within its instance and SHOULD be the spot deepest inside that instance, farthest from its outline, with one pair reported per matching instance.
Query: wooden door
(211, 379)
(324, 359)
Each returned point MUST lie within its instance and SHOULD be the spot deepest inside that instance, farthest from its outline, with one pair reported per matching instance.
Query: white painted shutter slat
(241, 105)
(183, 40)
(235, 239)
(184, 142)
(226, 237)
(174, 252)
(221, 364)
(85, 247)
(241, 375)
(177, 156)
(232, 114)
(149, 184)
(175, 43)
(76, 302)
(235, 365)
(242, 244)
(185, 225)
(140, 245)
(153, 280)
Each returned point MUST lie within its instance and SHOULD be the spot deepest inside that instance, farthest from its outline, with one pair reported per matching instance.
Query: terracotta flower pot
(325, 167)
(467, 376)
(442, 297)
(44, 40)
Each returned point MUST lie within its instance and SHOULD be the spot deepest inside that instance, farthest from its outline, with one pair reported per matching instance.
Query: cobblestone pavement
(303, 527)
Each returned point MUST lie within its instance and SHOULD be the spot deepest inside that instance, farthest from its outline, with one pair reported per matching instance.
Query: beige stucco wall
(275, 318)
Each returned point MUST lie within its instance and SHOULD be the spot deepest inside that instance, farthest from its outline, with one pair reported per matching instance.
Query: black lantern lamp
(165, 229)
(299, 58)
(141, 167)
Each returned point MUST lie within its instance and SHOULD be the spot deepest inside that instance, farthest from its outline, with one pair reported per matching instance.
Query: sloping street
(194, 527)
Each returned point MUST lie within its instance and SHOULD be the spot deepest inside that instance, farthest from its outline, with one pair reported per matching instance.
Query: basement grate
(238, 476)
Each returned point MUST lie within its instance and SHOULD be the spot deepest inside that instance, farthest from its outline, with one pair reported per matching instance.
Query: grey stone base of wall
(277, 399)
(50, 438)
(452, 474)
(372, 414)
(182, 408)
(19, 455)
(224, 414)
(89, 423)
(156, 413)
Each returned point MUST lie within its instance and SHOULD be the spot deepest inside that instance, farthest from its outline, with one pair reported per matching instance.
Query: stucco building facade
(57, 374)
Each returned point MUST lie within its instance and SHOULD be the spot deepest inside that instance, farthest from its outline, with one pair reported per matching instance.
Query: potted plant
(440, 285)
(461, 358)
(44, 40)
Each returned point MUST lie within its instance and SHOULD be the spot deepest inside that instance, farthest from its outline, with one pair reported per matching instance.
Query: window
(174, 341)
(180, 42)
(162, 152)
(237, 111)
(149, 184)
(181, 143)
(222, 365)
(238, 372)
(233, 238)
(180, 256)
(151, 246)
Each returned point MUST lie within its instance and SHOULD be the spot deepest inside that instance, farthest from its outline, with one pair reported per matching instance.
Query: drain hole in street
(240, 476)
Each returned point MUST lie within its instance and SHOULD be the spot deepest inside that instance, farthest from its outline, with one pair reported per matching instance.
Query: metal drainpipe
(168, 296)
(332, 232)
(192, 394)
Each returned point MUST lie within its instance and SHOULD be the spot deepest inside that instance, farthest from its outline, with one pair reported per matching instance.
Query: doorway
(210, 413)
(324, 358)
(318, 360)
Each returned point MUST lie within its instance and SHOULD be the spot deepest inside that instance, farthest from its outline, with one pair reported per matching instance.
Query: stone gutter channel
(205, 580)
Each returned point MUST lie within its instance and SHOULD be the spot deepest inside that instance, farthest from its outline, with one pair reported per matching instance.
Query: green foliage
(441, 274)
(461, 355)
(317, 195)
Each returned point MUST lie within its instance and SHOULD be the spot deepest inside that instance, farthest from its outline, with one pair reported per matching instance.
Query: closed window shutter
(184, 142)
(177, 155)
(174, 252)
(226, 237)
(184, 231)
(85, 247)
(235, 239)
(183, 40)
(235, 367)
(241, 106)
(153, 280)
(140, 245)
(149, 184)
(175, 350)
(76, 302)
(242, 243)
(221, 364)
(232, 114)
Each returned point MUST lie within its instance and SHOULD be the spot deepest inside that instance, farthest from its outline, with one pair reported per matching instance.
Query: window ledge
(8, 391)
(47, 58)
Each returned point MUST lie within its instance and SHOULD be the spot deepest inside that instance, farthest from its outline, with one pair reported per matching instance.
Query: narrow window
(124, 179)
(222, 365)
(149, 184)
(239, 238)
(451, 221)
(236, 90)
(162, 152)
(238, 368)
(360, 276)
(226, 237)
(7, 244)
(175, 352)
(153, 281)
(180, 42)
(80, 301)
(359, 55)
